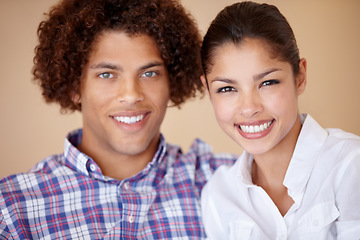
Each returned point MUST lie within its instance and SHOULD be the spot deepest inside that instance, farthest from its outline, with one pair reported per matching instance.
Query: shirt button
(316, 223)
(92, 167)
(131, 219)
(126, 185)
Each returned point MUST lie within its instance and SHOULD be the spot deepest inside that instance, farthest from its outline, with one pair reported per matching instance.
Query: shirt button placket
(282, 237)
(316, 223)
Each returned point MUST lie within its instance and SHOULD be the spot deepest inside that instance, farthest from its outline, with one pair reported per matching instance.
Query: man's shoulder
(39, 177)
(48, 164)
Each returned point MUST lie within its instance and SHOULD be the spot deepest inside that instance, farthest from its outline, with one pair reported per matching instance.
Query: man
(119, 62)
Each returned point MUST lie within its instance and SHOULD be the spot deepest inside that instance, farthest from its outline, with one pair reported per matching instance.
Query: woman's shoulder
(343, 144)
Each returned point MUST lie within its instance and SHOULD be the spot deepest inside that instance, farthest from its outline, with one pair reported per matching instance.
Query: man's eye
(225, 89)
(106, 75)
(149, 74)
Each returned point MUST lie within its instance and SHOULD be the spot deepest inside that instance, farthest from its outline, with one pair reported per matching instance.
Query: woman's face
(255, 96)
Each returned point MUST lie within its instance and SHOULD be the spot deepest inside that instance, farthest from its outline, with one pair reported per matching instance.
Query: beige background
(328, 35)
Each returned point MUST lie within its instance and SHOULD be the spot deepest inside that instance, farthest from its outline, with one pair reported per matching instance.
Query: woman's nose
(250, 104)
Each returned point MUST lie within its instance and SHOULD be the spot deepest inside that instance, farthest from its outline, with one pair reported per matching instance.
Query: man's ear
(205, 83)
(301, 77)
(76, 98)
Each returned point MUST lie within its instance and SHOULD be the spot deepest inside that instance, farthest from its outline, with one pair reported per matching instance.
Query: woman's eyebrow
(256, 77)
(224, 80)
(264, 74)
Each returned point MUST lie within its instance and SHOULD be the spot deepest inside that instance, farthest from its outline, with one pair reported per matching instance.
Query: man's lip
(131, 119)
(130, 113)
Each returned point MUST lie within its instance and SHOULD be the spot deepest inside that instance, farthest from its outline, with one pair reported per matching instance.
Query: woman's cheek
(223, 111)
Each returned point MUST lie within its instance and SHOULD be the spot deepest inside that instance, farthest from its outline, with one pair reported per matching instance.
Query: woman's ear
(205, 83)
(301, 77)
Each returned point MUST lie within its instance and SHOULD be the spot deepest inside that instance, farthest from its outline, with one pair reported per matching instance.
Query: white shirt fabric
(323, 179)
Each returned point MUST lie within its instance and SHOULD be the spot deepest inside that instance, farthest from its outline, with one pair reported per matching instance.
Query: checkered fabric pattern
(66, 197)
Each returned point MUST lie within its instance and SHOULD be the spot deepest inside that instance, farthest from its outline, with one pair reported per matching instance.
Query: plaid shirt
(66, 197)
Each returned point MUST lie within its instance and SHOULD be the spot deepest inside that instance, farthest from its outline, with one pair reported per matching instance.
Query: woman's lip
(255, 127)
(255, 130)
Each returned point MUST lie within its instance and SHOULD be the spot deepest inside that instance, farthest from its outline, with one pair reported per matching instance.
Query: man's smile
(129, 120)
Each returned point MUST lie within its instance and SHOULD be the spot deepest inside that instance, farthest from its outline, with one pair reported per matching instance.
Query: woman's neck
(269, 169)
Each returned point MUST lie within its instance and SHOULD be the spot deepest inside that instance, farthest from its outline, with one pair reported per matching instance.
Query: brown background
(328, 35)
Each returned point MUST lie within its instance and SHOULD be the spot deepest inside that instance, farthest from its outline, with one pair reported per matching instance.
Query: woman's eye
(269, 83)
(225, 89)
(106, 75)
(149, 74)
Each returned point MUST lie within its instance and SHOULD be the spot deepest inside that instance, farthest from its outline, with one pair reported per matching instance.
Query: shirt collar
(73, 157)
(242, 167)
(310, 141)
(80, 162)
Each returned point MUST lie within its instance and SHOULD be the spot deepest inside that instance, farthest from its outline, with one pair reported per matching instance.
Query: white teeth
(255, 128)
(129, 120)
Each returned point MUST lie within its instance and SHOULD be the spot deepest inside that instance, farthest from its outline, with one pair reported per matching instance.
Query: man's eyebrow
(106, 65)
(264, 74)
(150, 65)
(117, 67)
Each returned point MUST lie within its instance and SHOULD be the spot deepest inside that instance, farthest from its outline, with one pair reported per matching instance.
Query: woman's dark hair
(66, 37)
(251, 20)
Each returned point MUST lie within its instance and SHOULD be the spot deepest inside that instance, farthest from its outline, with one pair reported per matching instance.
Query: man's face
(124, 96)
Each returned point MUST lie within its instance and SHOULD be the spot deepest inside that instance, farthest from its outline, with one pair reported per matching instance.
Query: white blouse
(323, 179)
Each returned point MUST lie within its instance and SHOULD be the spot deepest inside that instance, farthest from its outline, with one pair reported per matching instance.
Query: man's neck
(120, 166)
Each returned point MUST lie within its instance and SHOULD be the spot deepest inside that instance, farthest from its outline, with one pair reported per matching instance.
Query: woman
(295, 180)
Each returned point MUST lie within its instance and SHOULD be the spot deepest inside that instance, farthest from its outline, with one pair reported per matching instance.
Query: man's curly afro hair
(67, 34)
